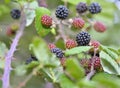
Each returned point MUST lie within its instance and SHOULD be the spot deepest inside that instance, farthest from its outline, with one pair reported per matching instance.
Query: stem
(9, 56)
(42, 3)
(90, 75)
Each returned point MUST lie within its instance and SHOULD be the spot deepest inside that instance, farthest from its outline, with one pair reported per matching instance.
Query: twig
(42, 3)
(9, 56)
(89, 75)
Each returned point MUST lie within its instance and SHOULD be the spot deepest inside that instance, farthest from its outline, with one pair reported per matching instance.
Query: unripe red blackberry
(84, 63)
(46, 21)
(99, 27)
(10, 32)
(78, 23)
(70, 43)
(58, 52)
(95, 44)
(97, 64)
(94, 8)
(81, 7)
(15, 13)
(51, 46)
(61, 12)
(83, 38)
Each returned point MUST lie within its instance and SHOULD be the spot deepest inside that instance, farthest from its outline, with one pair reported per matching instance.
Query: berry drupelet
(94, 8)
(58, 52)
(83, 38)
(61, 12)
(81, 7)
(15, 13)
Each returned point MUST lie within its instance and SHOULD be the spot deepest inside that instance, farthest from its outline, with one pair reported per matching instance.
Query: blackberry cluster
(81, 7)
(83, 38)
(29, 60)
(15, 13)
(61, 12)
(95, 8)
(58, 52)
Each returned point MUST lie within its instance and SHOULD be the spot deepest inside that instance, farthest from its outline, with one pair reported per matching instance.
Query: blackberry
(61, 12)
(81, 7)
(15, 13)
(58, 52)
(29, 60)
(95, 8)
(83, 38)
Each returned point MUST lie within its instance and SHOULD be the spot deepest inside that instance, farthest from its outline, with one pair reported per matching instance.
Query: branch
(9, 56)
(90, 75)
(42, 3)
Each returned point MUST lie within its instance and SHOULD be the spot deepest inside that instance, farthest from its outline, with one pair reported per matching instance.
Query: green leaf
(41, 51)
(30, 13)
(74, 69)
(106, 80)
(32, 64)
(74, 2)
(42, 31)
(20, 70)
(77, 50)
(3, 51)
(108, 64)
(66, 83)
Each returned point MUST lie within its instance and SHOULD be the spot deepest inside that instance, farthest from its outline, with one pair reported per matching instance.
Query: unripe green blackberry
(61, 12)
(78, 23)
(70, 43)
(15, 13)
(83, 38)
(94, 8)
(46, 21)
(81, 7)
(58, 52)
(99, 27)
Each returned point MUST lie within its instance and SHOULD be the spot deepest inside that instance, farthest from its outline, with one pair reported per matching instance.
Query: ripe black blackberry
(95, 8)
(15, 13)
(58, 52)
(81, 7)
(29, 60)
(83, 38)
(61, 12)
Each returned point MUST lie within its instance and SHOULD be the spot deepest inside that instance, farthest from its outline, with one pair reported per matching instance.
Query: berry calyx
(58, 52)
(81, 7)
(15, 13)
(70, 43)
(95, 44)
(51, 46)
(83, 38)
(99, 27)
(95, 8)
(61, 12)
(78, 23)
(46, 21)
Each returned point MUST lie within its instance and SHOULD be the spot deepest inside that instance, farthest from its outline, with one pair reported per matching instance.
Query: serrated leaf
(74, 2)
(30, 13)
(42, 31)
(108, 64)
(41, 51)
(106, 80)
(74, 69)
(3, 51)
(77, 50)
(66, 83)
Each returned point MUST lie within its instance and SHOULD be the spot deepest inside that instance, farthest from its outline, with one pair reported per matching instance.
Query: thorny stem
(9, 56)
(89, 75)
